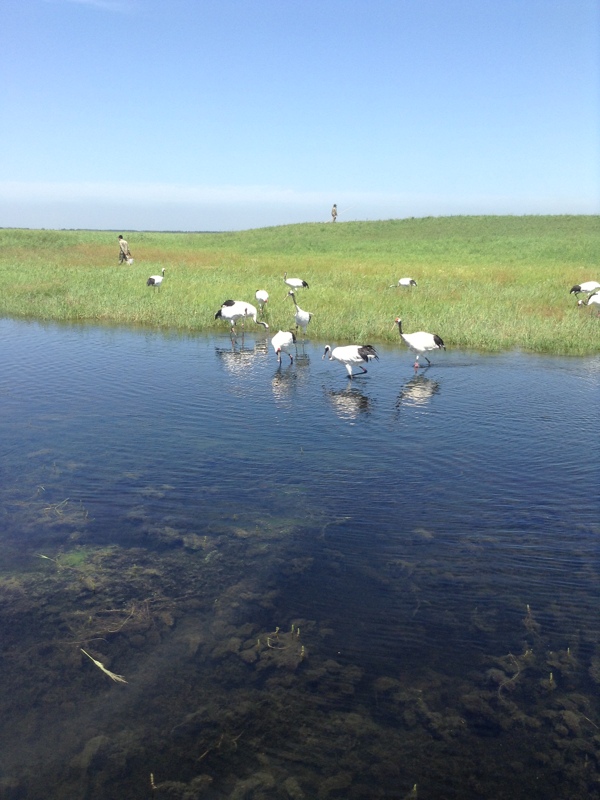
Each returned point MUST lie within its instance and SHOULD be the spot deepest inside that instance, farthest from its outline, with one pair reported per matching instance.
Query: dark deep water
(313, 587)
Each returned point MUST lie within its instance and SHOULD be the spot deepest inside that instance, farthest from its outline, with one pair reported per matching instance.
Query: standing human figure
(334, 213)
(124, 253)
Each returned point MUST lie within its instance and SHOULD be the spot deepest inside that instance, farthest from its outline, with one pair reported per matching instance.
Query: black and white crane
(420, 342)
(295, 283)
(233, 310)
(282, 342)
(262, 298)
(587, 287)
(404, 282)
(352, 354)
(302, 317)
(156, 280)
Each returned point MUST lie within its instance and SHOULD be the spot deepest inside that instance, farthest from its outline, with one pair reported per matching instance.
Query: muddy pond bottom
(222, 578)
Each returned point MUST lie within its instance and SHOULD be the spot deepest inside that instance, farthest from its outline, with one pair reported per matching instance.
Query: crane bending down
(404, 282)
(156, 280)
(282, 342)
(295, 283)
(233, 310)
(591, 300)
(587, 287)
(352, 354)
(420, 342)
(302, 317)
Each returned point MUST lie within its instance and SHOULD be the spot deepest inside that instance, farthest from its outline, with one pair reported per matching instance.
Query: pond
(311, 587)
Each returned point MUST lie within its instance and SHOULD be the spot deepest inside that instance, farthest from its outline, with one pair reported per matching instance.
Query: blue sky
(234, 114)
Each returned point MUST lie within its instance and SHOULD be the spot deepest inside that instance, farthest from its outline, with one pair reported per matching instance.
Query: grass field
(489, 283)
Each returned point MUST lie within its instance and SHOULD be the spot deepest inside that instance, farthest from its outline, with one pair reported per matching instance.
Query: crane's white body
(156, 280)
(420, 342)
(234, 310)
(295, 283)
(352, 354)
(404, 282)
(302, 317)
(587, 287)
(282, 342)
(262, 299)
(591, 300)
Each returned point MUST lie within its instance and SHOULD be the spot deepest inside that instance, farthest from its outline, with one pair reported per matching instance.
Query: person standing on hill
(334, 213)
(124, 253)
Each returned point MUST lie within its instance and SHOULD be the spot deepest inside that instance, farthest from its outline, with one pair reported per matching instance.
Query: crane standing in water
(302, 317)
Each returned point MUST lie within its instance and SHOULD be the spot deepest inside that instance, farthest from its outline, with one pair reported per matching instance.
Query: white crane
(404, 282)
(302, 317)
(420, 342)
(282, 342)
(295, 283)
(232, 310)
(352, 354)
(156, 280)
(591, 300)
(588, 287)
(262, 298)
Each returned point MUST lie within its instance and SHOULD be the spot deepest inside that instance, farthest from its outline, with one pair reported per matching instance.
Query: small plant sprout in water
(39, 555)
(111, 675)
(54, 561)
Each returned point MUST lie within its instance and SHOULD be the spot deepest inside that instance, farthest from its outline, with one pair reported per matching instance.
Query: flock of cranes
(352, 355)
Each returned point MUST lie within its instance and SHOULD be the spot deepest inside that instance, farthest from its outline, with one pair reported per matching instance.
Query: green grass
(490, 283)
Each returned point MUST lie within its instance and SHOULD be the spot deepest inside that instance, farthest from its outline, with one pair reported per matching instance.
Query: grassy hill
(490, 283)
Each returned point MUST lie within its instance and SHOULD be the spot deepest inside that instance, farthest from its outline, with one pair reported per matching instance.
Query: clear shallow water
(434, 536)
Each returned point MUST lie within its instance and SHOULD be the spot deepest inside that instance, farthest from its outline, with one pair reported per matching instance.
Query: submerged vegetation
(218, 703)
(489, 283)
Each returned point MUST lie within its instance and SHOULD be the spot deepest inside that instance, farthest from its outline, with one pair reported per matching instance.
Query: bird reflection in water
(238, 356)
(417, 391)
(302, 359)
(284, 382)
(350, 402)
(289, 377)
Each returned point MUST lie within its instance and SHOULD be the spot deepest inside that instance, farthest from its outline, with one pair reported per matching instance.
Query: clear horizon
(133, 115)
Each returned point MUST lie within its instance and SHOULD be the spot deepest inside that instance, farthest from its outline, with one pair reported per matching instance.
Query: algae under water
(313, 587)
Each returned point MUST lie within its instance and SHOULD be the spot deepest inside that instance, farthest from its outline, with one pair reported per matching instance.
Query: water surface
(314, 587)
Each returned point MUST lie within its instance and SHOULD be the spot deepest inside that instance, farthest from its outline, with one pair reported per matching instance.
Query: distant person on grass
(124, 254)
(334, 213)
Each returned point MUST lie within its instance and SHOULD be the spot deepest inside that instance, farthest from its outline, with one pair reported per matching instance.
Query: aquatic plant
(100, 665)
